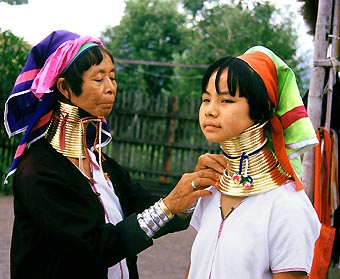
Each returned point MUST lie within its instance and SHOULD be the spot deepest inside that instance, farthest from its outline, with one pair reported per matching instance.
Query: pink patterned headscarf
(56, 64)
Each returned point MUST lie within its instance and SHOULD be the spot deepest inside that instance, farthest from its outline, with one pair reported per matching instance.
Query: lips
(210, 127)
(107, 103)
(205, 125)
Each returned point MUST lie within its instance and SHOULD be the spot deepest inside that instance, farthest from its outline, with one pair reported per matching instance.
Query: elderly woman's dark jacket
(59, 228)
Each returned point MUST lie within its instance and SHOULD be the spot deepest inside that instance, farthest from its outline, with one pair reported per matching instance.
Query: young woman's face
(223, 116)
(99, 89)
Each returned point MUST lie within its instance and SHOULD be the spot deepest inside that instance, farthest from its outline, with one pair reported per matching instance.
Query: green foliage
(15, 2)
(230, 29)
(152, 31)
(194, 6)
(194, 32)
(13, 55)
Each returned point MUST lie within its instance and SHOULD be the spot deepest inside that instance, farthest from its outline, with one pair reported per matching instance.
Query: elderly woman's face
(99, 89)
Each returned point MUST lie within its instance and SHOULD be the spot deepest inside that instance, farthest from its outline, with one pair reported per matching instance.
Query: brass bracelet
(166, 210)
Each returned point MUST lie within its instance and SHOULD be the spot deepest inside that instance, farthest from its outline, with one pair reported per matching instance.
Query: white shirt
(113, 212)
(267, 233)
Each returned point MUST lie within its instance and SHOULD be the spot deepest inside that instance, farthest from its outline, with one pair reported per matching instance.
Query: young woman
(77, 212)
(259, 223)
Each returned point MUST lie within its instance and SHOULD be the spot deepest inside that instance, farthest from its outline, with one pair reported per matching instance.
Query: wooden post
(332, 71)
(316, 87)
(171, 127)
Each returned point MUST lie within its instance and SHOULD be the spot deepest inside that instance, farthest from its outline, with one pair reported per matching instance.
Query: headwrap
(292, 132)
(28, 108)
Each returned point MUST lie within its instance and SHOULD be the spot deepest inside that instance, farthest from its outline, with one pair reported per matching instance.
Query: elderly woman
(77, 212)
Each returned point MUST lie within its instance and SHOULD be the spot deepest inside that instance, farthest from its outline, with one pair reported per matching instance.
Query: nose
(110, 86)
(210, 110)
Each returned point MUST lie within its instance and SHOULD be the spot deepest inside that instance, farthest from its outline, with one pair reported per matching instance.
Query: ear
(63, 87)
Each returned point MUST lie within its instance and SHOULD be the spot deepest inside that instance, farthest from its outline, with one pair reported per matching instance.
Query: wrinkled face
(223, 116)
(99, 89)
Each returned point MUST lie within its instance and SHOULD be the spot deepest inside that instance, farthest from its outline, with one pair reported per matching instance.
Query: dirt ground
(168, 258)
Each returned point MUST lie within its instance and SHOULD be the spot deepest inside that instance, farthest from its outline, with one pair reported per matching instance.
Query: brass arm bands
(166, 210)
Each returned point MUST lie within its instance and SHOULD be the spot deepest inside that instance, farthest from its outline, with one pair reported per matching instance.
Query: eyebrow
(225, 93)
(220, 93)
(101, 71)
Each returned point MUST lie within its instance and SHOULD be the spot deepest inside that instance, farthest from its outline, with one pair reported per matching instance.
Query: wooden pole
(332, 70)
(316, 87)
(171, 128)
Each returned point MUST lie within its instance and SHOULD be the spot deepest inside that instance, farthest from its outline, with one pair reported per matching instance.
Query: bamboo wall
(155, 138)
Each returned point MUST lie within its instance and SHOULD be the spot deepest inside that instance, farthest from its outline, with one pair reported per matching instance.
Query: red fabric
(265, 67)
(322, 253)
(322, 176)
(324, 244)
(292, 115)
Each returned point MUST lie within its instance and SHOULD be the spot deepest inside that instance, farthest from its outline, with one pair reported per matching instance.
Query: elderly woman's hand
(191, 187)
(216, 162)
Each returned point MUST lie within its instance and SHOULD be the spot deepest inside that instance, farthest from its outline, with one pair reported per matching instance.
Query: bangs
(243, 78)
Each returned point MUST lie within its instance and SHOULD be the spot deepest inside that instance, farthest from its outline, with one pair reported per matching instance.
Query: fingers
(204, 178)
(216, 162)
(191, 187)
(199, 189)
(202, 193)
(203, 182)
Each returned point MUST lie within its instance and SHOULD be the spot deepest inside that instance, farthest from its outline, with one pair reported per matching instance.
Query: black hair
(249, 83)
(74, 73)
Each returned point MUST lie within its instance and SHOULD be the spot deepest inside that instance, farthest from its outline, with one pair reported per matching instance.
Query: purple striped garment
(25, 113)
